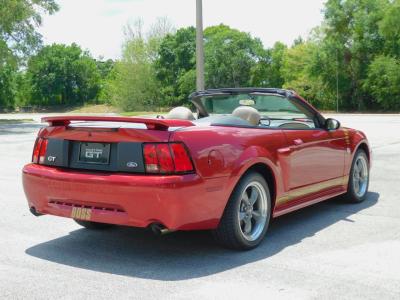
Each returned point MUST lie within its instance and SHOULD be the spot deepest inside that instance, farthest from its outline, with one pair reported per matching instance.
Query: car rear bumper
(181, 202)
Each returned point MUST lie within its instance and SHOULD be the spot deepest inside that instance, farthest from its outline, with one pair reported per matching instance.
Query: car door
(316, 160)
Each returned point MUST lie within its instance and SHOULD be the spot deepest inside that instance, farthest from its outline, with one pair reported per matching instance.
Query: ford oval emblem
(132, 164)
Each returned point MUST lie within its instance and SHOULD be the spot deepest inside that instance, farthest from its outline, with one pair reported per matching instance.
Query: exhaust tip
(159, 229)
(34, 212)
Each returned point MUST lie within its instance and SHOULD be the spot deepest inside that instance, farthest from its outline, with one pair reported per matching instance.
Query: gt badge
(93, 153)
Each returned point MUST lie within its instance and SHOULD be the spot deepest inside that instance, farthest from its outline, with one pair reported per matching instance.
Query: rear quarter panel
(223, 154)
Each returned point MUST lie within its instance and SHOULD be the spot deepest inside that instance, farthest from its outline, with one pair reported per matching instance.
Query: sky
(97, 25)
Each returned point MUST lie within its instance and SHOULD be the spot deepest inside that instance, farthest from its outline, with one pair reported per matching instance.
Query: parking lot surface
(331, 250)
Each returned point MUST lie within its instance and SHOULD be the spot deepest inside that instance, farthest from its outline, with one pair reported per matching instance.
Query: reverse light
(39, 151)
(167, 158)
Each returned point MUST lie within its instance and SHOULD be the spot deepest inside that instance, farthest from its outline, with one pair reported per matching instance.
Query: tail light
(39, 151)
(163, 158)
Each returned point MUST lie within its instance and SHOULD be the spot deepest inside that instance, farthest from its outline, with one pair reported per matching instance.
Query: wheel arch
(266, 172)
(364, 146)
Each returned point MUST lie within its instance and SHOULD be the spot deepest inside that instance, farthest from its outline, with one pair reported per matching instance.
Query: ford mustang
(245, 157)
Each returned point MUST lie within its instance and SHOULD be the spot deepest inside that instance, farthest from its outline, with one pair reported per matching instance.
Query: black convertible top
(211, 92)
(202, 112)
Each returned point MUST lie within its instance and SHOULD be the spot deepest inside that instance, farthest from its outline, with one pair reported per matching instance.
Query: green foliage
(230, 56)
(298, 74)
(107, 74)
(18, 21)
(354, 54)
(61, 74)
(22, 97)
(175, 66)
(351, 41)
(18, 39)
(383, 82)
(231, 60)
(8, 86)
(133, 84)
(389, 28)
(105, 67)
(267, 72)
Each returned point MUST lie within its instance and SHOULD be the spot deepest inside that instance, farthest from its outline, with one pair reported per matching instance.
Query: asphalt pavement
(331, 250)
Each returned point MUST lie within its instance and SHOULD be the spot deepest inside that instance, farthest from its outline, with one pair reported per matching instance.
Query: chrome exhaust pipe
(159, 229)
(35, 212)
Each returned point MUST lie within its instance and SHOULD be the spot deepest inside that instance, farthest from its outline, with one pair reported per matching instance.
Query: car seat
(180, 113)
(248, 114)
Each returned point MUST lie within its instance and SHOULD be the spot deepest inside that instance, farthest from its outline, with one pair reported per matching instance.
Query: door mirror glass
(332, 124)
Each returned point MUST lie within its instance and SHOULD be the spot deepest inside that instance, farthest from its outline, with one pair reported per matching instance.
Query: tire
(358, 178)
(234, 231)
(93, 225)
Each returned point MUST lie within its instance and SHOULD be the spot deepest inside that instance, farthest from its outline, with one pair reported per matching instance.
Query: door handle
(298, 142)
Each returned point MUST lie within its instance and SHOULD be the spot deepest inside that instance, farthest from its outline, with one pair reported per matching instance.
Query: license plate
(94, 153)
(81, 213)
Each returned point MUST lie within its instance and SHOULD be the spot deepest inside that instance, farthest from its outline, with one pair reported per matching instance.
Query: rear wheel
(359, 178)
(93, 225)
(247, 214)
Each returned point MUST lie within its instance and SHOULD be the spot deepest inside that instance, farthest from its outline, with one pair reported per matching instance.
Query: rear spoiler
(156, 124)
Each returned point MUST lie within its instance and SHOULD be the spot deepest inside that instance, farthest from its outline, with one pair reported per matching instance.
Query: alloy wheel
(360, 176)
(253, 210)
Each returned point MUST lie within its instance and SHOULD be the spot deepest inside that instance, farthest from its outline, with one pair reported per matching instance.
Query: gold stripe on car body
(311, 189)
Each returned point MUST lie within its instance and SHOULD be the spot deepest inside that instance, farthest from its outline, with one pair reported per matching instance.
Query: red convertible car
(248, 156)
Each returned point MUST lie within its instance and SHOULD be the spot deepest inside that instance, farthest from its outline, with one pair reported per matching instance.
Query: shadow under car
(184, 255)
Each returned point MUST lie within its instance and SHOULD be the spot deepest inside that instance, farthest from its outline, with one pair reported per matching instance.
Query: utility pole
(199, 47)
(337, 81)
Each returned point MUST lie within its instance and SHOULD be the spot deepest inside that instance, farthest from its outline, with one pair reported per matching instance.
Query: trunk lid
(111, 144)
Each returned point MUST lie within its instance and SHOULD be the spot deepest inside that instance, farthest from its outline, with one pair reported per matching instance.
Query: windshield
(271, 106)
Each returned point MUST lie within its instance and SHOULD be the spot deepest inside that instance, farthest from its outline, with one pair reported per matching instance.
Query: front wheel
(246, 217)
(359, 178)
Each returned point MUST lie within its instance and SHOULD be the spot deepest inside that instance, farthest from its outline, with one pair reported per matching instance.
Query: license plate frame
(94, 153)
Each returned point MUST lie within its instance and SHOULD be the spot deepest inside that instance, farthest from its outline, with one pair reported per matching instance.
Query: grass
(141, 113)
(95, 109)
(15, 121)
(104, 108)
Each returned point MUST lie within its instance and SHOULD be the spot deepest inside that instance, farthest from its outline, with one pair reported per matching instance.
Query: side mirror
(332, 124)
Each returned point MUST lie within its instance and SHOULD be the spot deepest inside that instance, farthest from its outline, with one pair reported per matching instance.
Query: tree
(176, 60)
(230, 56)
(61, 74)
(268, 71)
(18, 22)
(350, 43)
(383, 82)
(8, 86)
(299, 74)
(18, 39)
(106, 73)
(231, 60)
(389, 28)
(105, 67)
(133, 84)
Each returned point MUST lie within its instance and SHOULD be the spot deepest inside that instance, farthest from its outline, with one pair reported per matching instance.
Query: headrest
(180, 113)
(249, 114)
